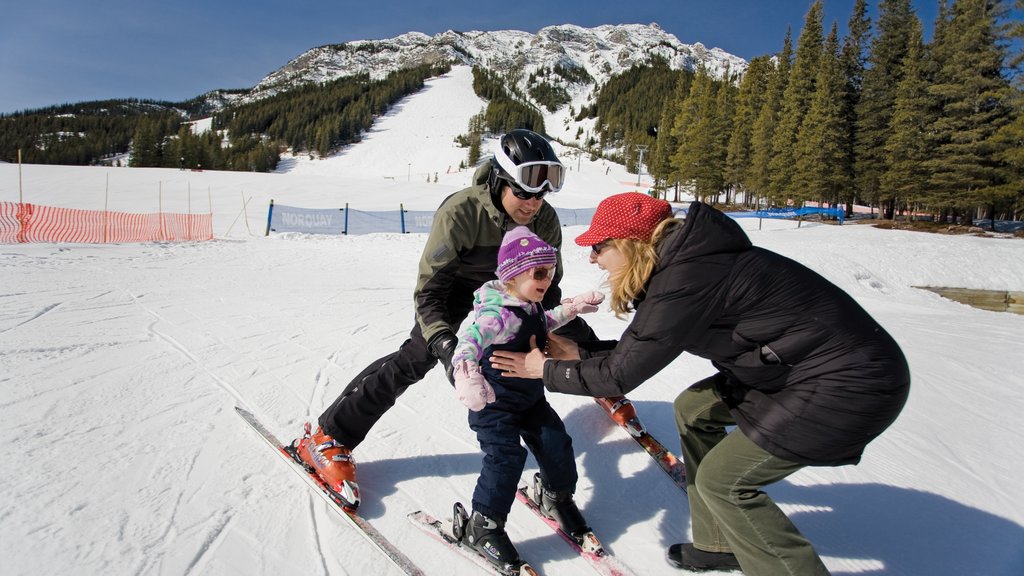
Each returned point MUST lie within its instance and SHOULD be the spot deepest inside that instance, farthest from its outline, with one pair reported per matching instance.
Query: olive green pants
(725, 473)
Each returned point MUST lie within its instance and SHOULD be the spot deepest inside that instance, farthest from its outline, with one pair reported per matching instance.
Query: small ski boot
(488, 537)
(332, 462)
(560, 507)
(686, 557)
(622, 411)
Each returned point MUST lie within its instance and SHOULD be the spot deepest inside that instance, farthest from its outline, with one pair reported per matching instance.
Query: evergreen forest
(879, 117)
(249, 136)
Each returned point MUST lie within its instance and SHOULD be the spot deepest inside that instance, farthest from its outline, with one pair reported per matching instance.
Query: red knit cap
(629, 215)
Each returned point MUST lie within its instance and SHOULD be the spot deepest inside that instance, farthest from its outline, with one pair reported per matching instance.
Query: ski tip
(421, 516)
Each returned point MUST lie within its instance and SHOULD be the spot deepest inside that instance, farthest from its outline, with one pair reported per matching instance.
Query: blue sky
(57, 51)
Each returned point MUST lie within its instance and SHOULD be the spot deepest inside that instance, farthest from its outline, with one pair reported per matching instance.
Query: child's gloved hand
(584, 303)
(471, 387)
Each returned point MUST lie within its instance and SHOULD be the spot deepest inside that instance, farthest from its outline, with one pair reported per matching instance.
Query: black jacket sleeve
(680, 304)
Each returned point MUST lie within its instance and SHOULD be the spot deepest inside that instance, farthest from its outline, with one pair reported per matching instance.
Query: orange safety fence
(34, 223)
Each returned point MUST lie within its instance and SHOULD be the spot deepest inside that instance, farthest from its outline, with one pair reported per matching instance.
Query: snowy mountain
(602, 51)
(121, 365)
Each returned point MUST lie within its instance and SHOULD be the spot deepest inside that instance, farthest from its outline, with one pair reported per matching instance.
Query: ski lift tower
(641, 148)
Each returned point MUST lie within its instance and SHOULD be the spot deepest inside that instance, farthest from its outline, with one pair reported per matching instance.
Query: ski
(621, 411)
(587, 546)
(361, 525)
(438, 531)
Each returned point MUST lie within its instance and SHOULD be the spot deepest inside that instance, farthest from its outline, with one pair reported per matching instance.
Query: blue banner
(348, 221)
(575, 216)
(798, 212)
(404, 221)
(308, 220)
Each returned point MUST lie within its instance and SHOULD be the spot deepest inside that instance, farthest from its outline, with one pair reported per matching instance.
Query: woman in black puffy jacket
(805, 374)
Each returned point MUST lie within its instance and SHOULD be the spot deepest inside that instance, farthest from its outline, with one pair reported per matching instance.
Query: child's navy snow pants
(520, 411)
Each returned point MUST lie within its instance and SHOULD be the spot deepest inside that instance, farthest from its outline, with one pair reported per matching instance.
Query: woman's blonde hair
(630, 281)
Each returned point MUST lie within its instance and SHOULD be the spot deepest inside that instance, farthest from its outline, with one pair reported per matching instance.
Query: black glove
(442, 346)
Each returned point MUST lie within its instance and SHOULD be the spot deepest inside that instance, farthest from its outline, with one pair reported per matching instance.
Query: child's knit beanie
(522, 250)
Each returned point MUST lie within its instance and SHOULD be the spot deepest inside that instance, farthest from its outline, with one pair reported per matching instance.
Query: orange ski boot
(622, 411)
(333, 462)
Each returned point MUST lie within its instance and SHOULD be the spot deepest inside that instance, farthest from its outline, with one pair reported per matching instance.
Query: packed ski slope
(121, 365)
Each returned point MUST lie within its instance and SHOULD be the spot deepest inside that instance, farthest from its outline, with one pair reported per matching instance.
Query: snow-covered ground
(120, 366)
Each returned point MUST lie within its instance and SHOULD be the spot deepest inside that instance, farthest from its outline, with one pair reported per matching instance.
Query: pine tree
(853, 60)
(662, 165)
(763, 137)
(907, 149)
(975, 103)
(821, 155)
(476, 129)
(1011, 136)
(875, 107)
(697, 159)
(147, 145)
(795, 103)
(749, 98)
(725, 111)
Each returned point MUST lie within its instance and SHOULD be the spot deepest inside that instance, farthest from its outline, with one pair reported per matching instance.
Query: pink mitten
(471, 387)
(584, 303)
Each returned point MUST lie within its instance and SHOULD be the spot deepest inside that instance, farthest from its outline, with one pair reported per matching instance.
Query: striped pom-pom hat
(521, 250)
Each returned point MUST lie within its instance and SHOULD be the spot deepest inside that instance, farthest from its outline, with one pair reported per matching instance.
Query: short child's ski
(440, 532)
(587, 546)
(361, 525)
(621, 411)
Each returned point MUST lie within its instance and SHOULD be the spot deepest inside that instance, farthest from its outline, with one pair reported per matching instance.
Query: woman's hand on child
(471, 387)
(584, 303)
(561, 348)
(520, 364)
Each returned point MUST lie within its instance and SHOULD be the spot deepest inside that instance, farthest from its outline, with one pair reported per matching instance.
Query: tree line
(319, 118)
(77, 134)
(879, 118)
(507, 108)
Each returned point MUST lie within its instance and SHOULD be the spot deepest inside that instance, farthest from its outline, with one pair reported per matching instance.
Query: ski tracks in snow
(33, 317)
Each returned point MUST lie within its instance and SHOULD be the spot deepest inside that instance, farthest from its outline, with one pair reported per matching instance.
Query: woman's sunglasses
(597, 248)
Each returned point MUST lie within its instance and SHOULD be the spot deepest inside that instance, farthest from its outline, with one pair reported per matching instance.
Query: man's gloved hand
(472, 389)
(442, 346)
(584, 303)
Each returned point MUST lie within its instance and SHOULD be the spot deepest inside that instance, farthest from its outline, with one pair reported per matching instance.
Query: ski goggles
(541, 273)
(534, 176)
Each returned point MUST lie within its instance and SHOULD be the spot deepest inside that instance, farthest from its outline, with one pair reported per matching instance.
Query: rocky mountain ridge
(601, 52)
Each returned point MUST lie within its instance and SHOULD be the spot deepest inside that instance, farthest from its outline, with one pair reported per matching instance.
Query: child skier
(507, 314)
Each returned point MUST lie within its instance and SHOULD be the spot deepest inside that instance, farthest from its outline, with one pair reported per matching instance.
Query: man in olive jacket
(458, 258)
(460, 255)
